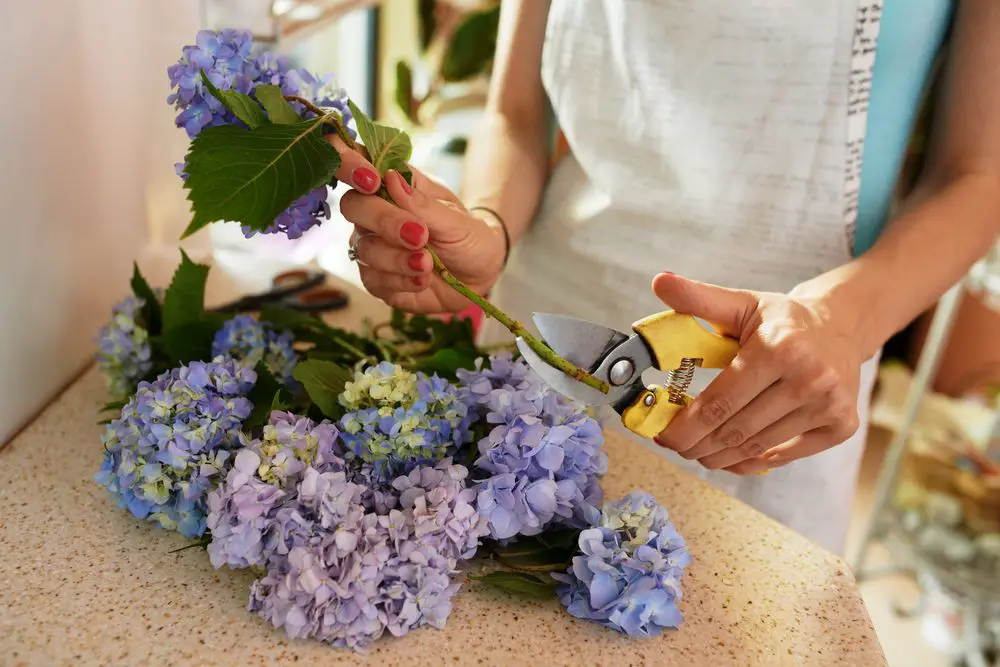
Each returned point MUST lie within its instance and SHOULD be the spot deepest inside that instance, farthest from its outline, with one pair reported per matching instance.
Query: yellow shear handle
(673, 337)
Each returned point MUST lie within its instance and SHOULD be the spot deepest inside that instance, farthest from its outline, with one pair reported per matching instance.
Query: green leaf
(242, 106)
(472, 47)
(387, 147)
(404, 90)
(113, 406)
(456, 146)
(518, 582)
(252, 176)
(446, 362)
(428, 22)
(289, 318)
(263, 395)
(324, 382)
(184, 300)
(549, 552)
(277, 107)
(187, 342)
(152, 317)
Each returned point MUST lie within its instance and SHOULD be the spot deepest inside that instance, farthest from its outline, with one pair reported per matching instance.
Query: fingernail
(403, 184)
(418, 281)
(412, 234)
(416, 261)
(365, 178)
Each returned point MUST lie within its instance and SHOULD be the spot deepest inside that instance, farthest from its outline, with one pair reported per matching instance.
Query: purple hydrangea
(243, 507)
(399, 419)
(542, 461)
(124, 354)
(345, 574)
(228, 60)
(628, 574)
(251, 341)
(169, 445)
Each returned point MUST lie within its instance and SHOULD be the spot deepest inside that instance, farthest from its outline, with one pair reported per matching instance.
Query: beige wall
(86, 178)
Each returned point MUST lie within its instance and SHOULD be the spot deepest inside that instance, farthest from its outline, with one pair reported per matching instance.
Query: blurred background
(88, 184)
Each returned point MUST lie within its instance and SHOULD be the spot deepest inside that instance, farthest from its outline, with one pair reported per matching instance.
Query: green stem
(516, 328)
(330, 117)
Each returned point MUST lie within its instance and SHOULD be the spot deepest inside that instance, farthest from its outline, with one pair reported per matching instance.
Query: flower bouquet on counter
(355, 473)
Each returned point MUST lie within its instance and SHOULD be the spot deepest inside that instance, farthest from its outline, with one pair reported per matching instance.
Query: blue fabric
(909, 39)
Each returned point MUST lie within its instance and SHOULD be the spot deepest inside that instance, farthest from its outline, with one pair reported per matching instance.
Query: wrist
(848, 298)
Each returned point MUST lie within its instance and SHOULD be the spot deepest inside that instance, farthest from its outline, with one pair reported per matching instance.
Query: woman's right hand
(391, 239)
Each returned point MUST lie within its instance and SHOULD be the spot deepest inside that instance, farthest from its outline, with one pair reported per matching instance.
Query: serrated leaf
(252, 176)
(404, 90)
(324, 382)
(277, 107)
(472, 47)
(152, 316)
(388, 148)
(187, 342)
(184, 300)
(242, 106)
(262, 396)
(519, 582)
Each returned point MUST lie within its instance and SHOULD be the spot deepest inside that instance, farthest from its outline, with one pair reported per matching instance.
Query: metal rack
(978, 596)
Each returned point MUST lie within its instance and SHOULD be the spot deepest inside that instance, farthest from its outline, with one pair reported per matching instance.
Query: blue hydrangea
(124, 354)
(251, 341)
(172, 440)
(227, 58)
(543, 461)
(399, 419)
(344, 574)
(628, 574)
(241, 509)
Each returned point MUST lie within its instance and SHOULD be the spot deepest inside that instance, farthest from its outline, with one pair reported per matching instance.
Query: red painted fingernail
(416, 261)
(418, 281)
(366, 179)
(412, 234)
(403, 184)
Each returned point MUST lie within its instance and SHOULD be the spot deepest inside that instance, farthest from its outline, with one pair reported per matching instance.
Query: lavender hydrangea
(124, 353)
(227, 59)
(344, 574)
(172, 440)
(543, 459)
(251, 341)
(628, 574)
(399, 419)
(243, 507)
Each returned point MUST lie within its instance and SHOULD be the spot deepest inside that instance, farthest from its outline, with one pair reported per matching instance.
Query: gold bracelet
(503, 227)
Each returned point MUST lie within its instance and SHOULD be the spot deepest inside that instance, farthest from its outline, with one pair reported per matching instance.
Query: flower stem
(516, 328)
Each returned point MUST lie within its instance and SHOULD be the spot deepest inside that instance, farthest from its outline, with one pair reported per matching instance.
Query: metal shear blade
(594, 348)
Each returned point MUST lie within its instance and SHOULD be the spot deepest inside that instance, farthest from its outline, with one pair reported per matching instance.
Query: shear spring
(679, 379)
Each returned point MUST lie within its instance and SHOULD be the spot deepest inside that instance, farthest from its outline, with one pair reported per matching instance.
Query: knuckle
(752, 449)
(794, 348)
(733, 437)
(715, 411)
(847, 426)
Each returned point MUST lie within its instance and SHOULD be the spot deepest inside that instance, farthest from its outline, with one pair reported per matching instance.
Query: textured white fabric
(710, 139)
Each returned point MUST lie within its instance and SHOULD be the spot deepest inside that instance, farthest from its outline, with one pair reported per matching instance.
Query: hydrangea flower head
(124, 354)
(251, 341)
(227, 59)
(243, 507)
(401, 419)
(627, 576)
(344, 574)
(172, 440)
(543, 460)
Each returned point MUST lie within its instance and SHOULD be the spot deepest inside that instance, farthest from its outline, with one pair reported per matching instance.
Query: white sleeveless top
(717, 139)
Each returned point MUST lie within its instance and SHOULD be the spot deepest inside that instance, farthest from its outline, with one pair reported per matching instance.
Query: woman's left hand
(791, 391)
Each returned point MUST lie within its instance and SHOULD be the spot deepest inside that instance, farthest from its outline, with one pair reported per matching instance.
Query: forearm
(927, 249)
(506, 167)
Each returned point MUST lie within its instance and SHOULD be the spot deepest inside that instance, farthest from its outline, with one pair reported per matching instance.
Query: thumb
(727, 309)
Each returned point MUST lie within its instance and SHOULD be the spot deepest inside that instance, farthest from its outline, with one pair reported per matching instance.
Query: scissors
(298, 289)
(668, 341)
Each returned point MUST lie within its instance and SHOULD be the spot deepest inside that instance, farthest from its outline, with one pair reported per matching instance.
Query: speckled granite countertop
(82, 583)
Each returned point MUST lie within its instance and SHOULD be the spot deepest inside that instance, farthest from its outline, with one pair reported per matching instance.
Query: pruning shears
(669, 341)
(299, 289)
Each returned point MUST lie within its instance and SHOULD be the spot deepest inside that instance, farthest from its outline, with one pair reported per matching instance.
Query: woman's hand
(390, 239)
(792, 390)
